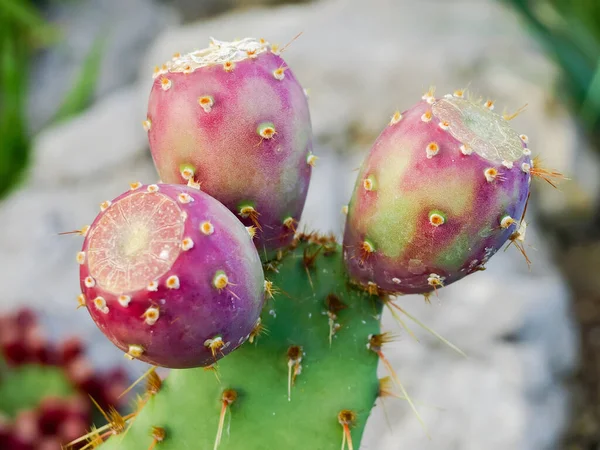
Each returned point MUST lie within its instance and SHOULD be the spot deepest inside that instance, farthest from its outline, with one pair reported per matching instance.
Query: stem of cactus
(307, 379)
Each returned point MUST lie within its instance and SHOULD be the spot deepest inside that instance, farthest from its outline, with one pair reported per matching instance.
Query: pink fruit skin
(394, 216)
(232, 161)
(195, 311)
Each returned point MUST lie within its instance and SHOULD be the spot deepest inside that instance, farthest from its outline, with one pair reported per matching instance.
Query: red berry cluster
(56, 420)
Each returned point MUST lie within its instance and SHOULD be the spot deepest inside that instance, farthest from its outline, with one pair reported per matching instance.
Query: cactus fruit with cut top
(444, 186)
(170, 276)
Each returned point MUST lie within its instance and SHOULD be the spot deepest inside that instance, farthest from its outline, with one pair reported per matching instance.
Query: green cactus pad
(308, 281)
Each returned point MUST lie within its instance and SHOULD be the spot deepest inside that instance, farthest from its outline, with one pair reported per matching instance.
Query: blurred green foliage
(570, 32)
(24, 387)
(23, 31)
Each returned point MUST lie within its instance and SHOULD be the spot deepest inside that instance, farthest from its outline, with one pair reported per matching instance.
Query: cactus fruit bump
(233, 118)
(444, 186)
(171, 276)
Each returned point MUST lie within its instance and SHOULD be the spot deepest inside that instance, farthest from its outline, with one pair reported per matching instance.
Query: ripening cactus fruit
(171, 276)
(233, 118)
(307, 379)
(443, 187)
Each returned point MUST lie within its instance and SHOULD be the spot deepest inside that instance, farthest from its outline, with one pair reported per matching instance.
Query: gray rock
(129, 27)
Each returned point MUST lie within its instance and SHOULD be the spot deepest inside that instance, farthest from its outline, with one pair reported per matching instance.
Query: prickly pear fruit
(233, 118)
(171, 276)
(442, 189)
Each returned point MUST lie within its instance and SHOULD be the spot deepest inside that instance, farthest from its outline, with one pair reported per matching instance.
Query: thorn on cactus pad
(147, 124)
(124, 300)
(89, 282)
(150, 371)
(290, 223)
(80, 301)
(158, 435)
(394, 308)
(426, 117)
(508, 164)
(375, 344)
(258, 330)
(135, 185)
(347, 419)
(524, 138)
(270, 289)
(151, 315)
(345, 210)
(207, 228)
(432, 149)
(372, 289)
(459, 93)
(152, 188)
(215, 345)
(294, 357)
(165, 83)
(251, 231)
(206, 102)
(228, 397)
(334, 305)
(525, 167)
(214, 369)
(248, 212)
(152, 286)
(173, 282)
(397, 117)
(228, 66)
(437, 218)
(266, 130)
(489, 104)
(105, 205)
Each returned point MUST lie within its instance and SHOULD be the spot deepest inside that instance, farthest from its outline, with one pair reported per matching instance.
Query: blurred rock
(129, 27)
(191, 10)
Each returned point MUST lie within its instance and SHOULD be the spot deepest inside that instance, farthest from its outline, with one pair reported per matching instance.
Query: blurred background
(74, 81)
